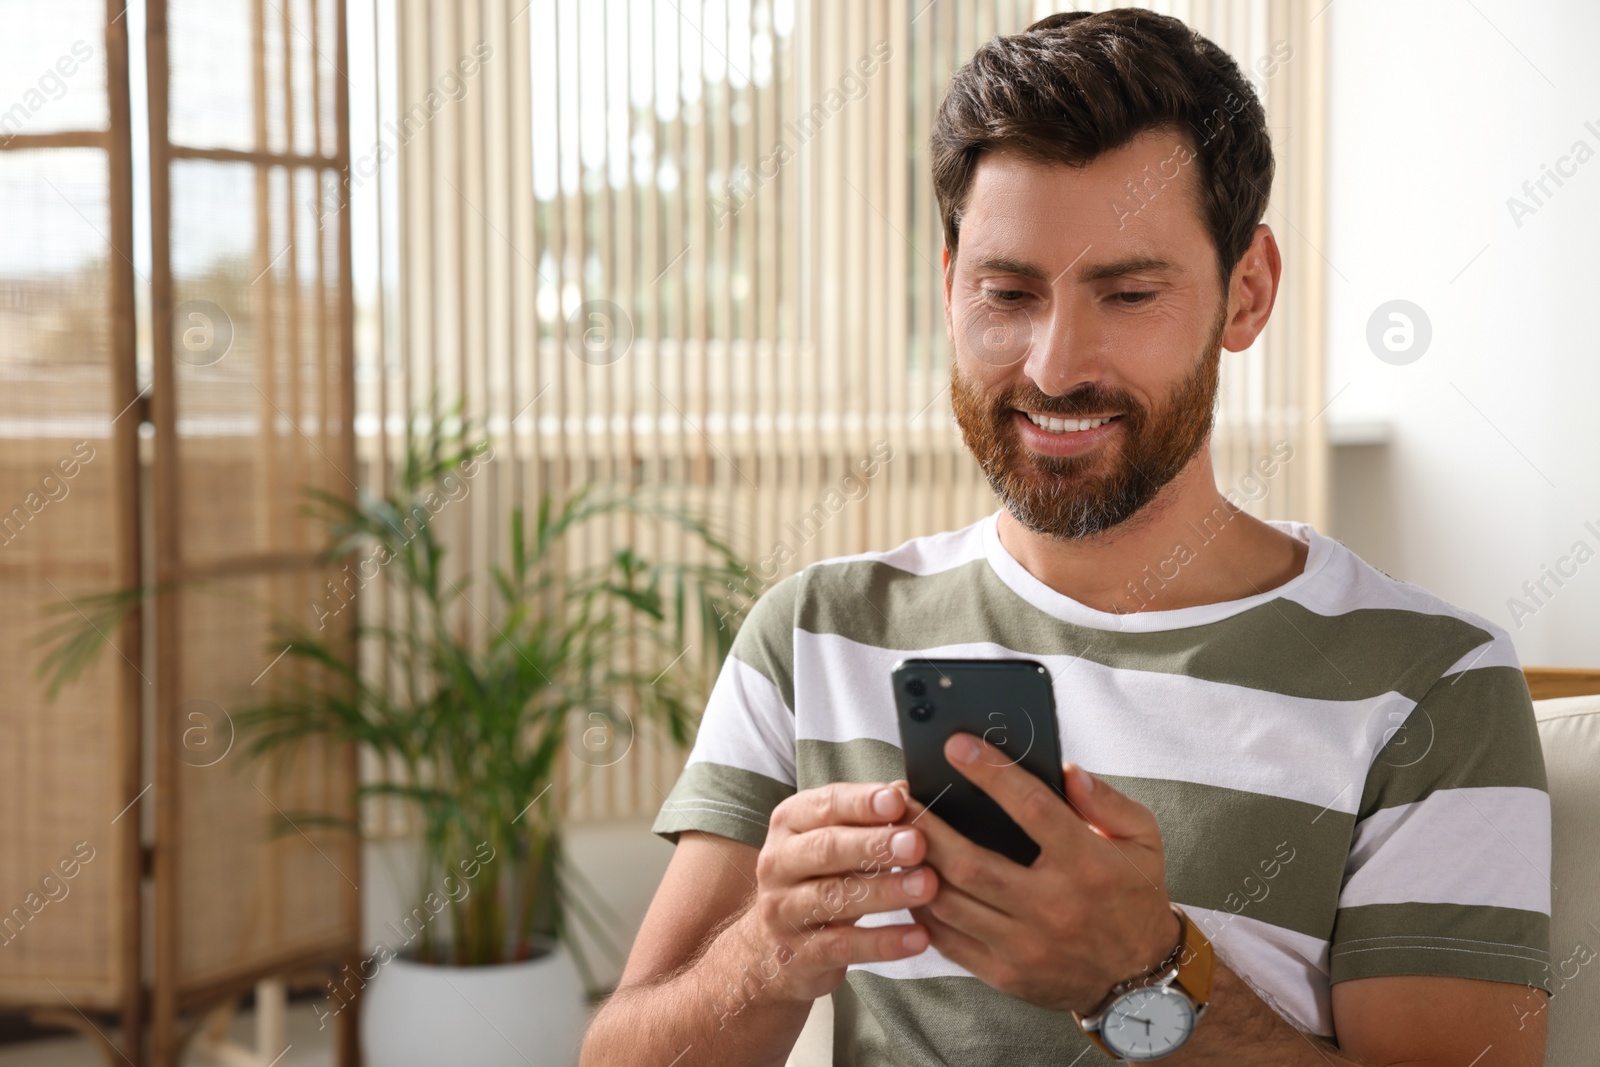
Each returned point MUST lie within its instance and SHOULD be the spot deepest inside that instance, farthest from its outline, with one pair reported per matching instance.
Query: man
(1307, 818)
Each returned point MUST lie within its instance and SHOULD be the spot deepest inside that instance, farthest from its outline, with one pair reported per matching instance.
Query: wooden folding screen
(251, 404)
(69, 771)
(693, 244)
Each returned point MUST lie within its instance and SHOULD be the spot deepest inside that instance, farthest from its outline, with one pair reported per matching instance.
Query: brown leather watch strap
(1196, 963)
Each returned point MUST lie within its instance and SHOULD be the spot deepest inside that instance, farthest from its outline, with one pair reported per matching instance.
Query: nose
(1065, 348)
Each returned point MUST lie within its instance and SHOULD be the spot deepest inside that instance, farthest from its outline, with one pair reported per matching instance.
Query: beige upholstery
(1569, 729)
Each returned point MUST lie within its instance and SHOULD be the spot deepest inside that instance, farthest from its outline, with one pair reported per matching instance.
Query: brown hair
(1077, 84)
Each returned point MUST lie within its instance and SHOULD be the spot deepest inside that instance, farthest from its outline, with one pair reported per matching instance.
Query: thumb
(1108, 812)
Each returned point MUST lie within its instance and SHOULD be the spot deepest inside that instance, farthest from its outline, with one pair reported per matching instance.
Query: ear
(944, 270)
(1252, 290)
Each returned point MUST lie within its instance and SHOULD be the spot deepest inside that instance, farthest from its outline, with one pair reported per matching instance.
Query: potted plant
(473, 696)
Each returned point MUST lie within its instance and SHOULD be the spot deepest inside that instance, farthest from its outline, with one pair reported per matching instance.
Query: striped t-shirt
(1345, 769)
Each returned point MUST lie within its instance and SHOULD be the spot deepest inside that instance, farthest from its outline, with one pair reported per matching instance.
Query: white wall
(1436, 120)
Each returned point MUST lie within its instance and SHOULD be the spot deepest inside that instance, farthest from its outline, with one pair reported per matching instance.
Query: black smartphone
(1008, 702)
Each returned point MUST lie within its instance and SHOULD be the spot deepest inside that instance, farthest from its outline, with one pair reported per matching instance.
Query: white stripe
(1319, 551)
(1486, 846)
(1353, 584)
(842, 690)
(1333, 582)
(1498, 652)
(1142, 724)
(929, 963)
(746, 724)
(1290, 967)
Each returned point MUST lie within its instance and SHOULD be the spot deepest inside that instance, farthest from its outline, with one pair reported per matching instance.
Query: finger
(971, 916)
(1108, 812)
(977, 871)
(844, 945)
(1035, 807)
(839, 803)
(952, 944)
(822, 901)
(830, 850)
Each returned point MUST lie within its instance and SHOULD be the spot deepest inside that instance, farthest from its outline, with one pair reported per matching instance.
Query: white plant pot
(527, 1014)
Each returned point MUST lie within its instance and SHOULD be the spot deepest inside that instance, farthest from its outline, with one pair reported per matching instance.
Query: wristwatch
(1151, 1016)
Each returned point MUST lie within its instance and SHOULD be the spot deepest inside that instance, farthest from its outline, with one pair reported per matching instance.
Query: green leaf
(470, 695)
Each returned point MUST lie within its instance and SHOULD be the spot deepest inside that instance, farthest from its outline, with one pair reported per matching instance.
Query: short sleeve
(1449, 867)
(742, 764)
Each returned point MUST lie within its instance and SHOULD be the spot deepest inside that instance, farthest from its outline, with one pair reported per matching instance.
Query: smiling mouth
(1052, 424)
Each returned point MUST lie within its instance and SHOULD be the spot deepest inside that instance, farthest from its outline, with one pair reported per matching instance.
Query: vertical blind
(693, 244)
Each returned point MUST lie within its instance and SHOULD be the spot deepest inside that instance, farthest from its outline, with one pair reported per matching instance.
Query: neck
(1188, 546)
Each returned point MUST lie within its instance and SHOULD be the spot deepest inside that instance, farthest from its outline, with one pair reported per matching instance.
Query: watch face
(1147, 1023)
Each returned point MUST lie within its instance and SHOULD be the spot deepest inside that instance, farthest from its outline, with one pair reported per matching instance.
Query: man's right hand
(826, 862)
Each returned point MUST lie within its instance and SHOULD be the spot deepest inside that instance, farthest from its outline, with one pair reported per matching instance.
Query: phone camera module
(916, 687)
(921, 712)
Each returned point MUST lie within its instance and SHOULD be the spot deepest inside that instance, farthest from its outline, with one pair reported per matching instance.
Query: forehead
(1140, 199)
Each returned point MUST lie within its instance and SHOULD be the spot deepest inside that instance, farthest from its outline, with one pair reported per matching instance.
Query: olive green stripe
(765, 639)
(1275, 860)
(1459, 940)
(1280, 646)
(719, 799)
(935, 1022)
(863, 759)
(1471, 730)
(1267, 858)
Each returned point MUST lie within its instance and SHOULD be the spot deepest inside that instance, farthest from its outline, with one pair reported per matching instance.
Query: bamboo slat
(249, 196)
(68, 521)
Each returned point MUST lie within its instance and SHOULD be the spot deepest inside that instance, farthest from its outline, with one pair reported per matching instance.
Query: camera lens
(921, 712)
(916, 687)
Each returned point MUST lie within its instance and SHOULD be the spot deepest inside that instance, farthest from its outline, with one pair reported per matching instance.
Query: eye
(1005, 297)
(1134, 296)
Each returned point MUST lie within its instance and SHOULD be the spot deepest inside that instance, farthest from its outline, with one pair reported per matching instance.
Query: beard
(1076, 497)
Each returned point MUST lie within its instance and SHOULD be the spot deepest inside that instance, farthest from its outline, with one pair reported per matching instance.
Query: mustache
(1087, 399)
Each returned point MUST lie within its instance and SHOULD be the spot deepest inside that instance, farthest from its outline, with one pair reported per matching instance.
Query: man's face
(1085, 293)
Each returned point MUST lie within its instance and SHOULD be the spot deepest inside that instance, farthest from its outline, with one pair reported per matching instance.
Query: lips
(1065, 443)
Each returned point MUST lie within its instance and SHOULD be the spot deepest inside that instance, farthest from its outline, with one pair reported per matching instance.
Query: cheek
(1156, 350)
(993, 344)
(976, 385)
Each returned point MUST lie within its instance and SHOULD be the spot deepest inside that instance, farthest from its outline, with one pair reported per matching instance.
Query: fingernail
(1088, 780)
(915, 883)
(966, 748)
(913, 939)
(885, 803)
(902, 843)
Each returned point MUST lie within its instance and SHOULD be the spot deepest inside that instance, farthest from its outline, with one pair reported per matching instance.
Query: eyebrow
(1018, 267)
(1131, 265)
(1092, 273)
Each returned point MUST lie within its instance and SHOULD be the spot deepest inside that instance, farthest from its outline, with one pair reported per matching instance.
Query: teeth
(1045, 422)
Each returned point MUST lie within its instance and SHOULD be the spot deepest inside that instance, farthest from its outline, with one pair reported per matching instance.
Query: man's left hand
(1089, 912)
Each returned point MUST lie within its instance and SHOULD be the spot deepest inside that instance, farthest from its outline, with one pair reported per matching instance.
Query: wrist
(755, 965)
(1170, 944)
(1163, 957)
(1167, 1003)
